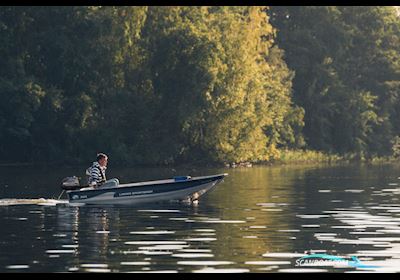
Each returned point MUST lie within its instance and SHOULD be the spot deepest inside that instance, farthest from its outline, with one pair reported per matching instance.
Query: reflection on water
(260, 219)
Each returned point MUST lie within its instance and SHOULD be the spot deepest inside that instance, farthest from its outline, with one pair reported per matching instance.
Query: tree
(144, 84)
(346, 71)
(219, 81)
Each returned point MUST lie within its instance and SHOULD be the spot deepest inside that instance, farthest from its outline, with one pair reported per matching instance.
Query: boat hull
(147, 192)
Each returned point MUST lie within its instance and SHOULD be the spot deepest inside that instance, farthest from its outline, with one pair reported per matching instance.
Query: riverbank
(301, 157)
(317, 157)
(308, 156)
(286, 157)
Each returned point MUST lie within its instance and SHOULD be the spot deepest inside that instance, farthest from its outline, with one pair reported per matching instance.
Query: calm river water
(260, 219)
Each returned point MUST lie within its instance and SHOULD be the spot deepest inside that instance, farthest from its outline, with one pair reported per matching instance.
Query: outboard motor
(70, 183)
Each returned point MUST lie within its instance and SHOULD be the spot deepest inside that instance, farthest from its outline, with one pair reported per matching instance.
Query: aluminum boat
(177, 188)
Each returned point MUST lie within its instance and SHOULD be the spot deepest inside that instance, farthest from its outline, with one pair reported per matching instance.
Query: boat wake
(31, 201)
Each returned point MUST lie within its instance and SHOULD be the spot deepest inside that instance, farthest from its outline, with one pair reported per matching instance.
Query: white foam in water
(152, 232)
(325, 236)
(206, 234)
(59, 235)
(33, 201)
(206, 218)
(310, 226)
(154, 271)
(359, 241)
(312, 216)
(317, 251)
(386, 207)
(70, 246)
(223, 270)
(288, 230)
(98, 270)
(396, 231)
(382, 239)
(150, 253)
(164, 247)
(368, 220)
(94, 265)
(367, 253)
(17, 266)
(266, 204)
(365, 232)
(103, 231)
(389, 190)
(204, 263)
(259, 227)
(205, 230)
(195, 250)
(155, 242)
(201, 239)
(60, 251)
(354, 191)
(193, 255)
(135, 263)
(283, 255)
(73, 269)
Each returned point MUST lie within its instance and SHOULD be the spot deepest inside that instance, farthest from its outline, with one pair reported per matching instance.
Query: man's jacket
(96, 173)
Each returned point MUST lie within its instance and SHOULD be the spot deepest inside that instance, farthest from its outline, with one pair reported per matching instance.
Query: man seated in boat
(97, 174)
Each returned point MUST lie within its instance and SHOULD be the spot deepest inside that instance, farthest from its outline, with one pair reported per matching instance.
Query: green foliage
(306, 156)
(164, 85)
(145, 84)
(396, 146)
(346, 64)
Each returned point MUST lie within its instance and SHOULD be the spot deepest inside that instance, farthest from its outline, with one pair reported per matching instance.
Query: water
(260, 219)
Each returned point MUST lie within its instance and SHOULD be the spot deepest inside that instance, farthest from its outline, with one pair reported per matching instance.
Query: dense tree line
(165, 85)
(347, 65)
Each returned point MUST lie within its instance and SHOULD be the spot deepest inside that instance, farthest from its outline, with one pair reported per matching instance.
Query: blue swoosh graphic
(354, 262)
